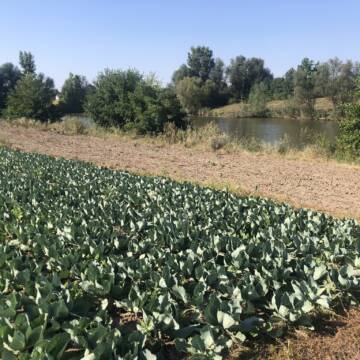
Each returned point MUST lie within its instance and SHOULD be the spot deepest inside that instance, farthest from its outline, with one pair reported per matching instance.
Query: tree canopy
(126, 99)
(201, 81)
(349, 139)
(244, 73)
(200, 62)
(218, 84)
(27, 62)
(32, 98)
(305, 82)
(9, 75)
(32, 95)
(73, 94)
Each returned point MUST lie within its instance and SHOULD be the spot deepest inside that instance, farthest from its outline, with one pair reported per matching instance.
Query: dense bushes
(126, 99)
(200, 83)
(25, 93)
(130, 101)
(9, 76)
(32, 98)
(349, 139)
(73, 94)
(258, 98)
(204, 82)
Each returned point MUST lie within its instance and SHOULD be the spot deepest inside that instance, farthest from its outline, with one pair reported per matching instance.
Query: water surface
(274, 130)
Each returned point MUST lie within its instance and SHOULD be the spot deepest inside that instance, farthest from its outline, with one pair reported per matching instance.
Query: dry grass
(335, 337)
(323, 104)
(231, 110)
(208, 137)
(5, 142)
(276, 108)
(70, 125)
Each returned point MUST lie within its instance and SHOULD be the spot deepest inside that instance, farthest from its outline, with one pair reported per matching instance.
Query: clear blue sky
(86, 36)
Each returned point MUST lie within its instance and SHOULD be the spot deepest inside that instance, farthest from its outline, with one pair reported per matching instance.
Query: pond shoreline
(268, 116)
(284, 109)
(297, 133)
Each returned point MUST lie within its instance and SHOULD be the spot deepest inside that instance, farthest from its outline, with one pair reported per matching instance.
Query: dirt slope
(327, 186)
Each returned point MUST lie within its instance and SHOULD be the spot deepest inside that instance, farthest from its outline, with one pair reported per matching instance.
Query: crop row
(101, 264)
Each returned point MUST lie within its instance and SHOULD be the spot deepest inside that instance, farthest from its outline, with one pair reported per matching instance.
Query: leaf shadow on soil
(336, 336)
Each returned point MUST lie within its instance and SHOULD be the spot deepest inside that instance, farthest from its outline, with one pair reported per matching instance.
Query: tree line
(117, 98)
(128, 99)
(205, 82)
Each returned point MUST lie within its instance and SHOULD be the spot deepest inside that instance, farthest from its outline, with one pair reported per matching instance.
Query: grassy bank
(274, 108)
(208, 137)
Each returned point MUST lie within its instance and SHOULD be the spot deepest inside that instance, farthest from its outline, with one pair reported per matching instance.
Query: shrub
(9, 75)
(32, 98)
(349, 138)
(291, 109)
(74, 125)
(191, 94)
(219, 142)
(323, 147)
(127, 100)
(283, 145)
(258, 99)
(73, 94)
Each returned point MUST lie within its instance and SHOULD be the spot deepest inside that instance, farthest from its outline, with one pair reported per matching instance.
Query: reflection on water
(269, 130)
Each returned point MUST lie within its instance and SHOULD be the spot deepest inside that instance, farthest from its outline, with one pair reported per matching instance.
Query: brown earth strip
(326, 186)
(336, 337)
(342, 344)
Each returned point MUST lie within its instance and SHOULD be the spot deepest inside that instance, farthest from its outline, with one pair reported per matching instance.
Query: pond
(273, 130)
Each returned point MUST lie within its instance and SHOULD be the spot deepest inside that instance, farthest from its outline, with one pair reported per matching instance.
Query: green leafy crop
(101, 264)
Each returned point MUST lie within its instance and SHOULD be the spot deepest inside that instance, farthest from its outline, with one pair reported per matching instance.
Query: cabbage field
(102, 264)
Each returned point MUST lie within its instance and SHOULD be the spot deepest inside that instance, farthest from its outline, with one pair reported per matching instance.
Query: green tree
(289, 83)
(171, 108)
(182, 72)
(210, 72)
(73, 94)
(304, 91)
(322, 78)
(258, 98)
(200, 62)
(221, 94)
(125, 99)
(27, 62)
(191, 94)
(153, 112)
(110, 102)
(336, 80)
(217, 74)
(278, 91)
(32, 98)
(9, 76)
(244, 73)
(349, 137)
(210, 94)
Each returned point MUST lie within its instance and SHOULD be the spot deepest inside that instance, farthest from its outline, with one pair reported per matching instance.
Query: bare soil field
(320, 185)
